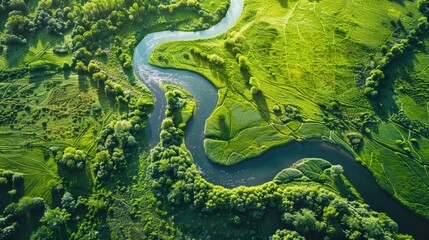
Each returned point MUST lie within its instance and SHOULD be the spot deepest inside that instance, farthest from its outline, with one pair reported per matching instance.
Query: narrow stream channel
(261, 169)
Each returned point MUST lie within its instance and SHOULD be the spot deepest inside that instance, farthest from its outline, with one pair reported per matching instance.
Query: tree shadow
(224, 128)
(15, 54)
(283, 3)
(400, 2)
(79, 183)
(83, 82)
(130, 76)
(66, 74)
(3, 18)
(263, 109)
(192, 220)
(106, 101)
(385, 103)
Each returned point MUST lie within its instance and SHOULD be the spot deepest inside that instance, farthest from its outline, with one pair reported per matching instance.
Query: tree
(100, 77)
(304, 221)
(3, 183)
(93, 67)
(336, 171)
(16, 24)
(68, 202)
(100, 29)
(18, 5)
(243, 62)
(80, 67)
(8, 232)
(122, 129)
(56, 219)
(286, 234)
(17, 180)
(255, 90)
(377, 75)
(43, 233)
(25, 206)
(73, 159)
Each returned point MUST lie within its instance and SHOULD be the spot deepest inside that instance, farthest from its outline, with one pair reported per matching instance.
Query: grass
(40, 113)
(38, 170)
(41, 110)
(187, 110)
(317, 171)
(54, 109)
(308, 173)
(296, 55)
(306, 54)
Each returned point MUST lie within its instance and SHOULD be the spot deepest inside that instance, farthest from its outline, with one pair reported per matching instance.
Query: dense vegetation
(312, 212)
(346, 73)
(73, 118)
(72, 115)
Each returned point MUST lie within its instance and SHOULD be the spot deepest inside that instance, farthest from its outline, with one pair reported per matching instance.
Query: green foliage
(43, 233)
(80, 67)
(17, 215)
(73, 159)
(116, 143)
(285, 234)
(99, 77)
(68, 202)
(93, 24)
(55, 218)
(311, 211)
(355, 139)
(59, 104)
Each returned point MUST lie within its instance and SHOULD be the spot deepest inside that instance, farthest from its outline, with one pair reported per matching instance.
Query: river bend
(263, 168)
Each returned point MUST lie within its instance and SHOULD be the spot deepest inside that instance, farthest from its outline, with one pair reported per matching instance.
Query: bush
(73, 159)
(99, 77)
(355, 139)
(243, 62)
(10, 39)
(255, 90)
(17, 180)
(80, 67)
(93, 67)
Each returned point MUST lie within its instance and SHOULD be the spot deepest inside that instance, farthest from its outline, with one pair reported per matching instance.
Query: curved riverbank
(264, 168)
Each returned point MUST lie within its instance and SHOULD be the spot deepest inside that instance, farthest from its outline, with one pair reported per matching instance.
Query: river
(263, 168)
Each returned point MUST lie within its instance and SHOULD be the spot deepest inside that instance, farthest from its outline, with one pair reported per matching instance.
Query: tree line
(312, 212)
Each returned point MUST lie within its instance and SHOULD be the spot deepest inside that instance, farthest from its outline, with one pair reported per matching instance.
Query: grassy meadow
(288, 71)
(48, 105)
(52, 107)
(292, 71)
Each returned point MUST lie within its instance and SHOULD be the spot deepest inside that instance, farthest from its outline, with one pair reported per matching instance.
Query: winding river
(261, 169)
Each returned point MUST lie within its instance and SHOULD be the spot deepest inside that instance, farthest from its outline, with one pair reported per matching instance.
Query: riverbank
(243, 211)
(194, 138)
(290, 86)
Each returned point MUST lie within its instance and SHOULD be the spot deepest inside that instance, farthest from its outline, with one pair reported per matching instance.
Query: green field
(48, 103)
(73, 117)
(292, 71)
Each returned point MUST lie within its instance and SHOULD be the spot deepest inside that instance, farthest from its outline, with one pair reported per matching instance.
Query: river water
(263, 168)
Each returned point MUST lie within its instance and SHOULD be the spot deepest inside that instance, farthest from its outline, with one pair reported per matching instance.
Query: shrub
(93, 67)
(243, 62)
(10, 39)
(255, 90)
(73, 159)
(355, 139)
(80, 67)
